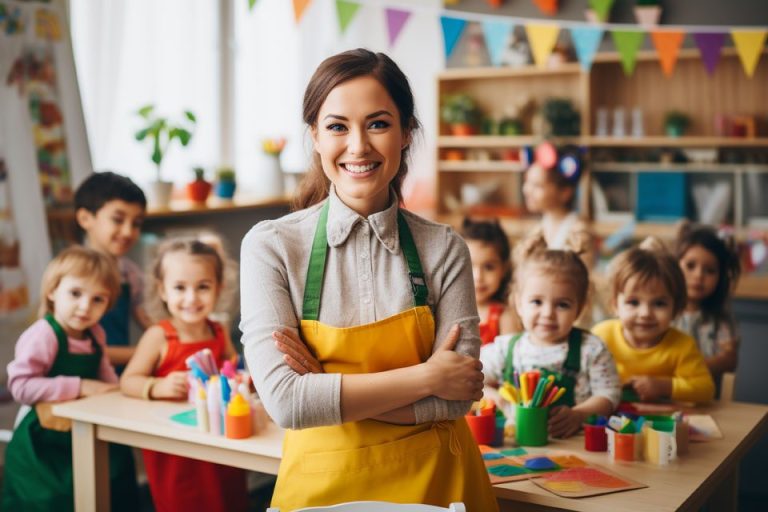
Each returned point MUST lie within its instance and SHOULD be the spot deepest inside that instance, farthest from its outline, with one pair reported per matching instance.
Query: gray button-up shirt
(366, 280)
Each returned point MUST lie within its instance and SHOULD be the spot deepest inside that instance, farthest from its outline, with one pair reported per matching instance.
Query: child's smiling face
(646, 311)
(702, 273)
(114, 228)
(189, 287)
(79, 302)
(487, 269)
(548, 306)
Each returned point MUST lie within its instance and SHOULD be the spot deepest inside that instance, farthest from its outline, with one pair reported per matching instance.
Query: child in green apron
(62, 357)
(550, 289)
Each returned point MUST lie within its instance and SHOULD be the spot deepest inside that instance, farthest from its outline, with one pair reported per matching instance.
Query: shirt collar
(342, 220)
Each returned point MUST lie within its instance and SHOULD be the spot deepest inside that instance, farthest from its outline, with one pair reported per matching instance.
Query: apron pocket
(408, 448)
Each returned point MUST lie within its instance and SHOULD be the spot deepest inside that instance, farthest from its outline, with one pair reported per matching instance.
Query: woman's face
(359, 140)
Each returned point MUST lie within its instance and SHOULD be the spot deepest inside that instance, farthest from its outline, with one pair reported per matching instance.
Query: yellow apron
(434, 463)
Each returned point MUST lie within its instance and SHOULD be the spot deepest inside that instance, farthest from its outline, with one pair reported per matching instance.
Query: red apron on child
(490, 328)
(180, 483)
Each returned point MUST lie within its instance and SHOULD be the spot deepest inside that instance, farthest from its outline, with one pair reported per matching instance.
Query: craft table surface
(708, 469)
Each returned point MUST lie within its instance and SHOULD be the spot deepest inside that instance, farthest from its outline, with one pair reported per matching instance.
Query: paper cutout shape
(703, 428)
(511, 467)
(514, 452)
(540, 463)
(709, 46)
(187, 418)
(299, 6)
(587, 481)
(601, 8)
(667, 45)
(542, 39)
(504, 470)
(396, 19)
(492, 456)
(749, 46)
(586, 40)
(452, 29)
(496, 37)
(628, 43)
(345, 11)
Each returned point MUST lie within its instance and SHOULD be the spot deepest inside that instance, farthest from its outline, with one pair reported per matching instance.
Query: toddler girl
(492, 270)
(549, 299)
(711, 268)
(655, 360)
(188, 278)
(63, 356)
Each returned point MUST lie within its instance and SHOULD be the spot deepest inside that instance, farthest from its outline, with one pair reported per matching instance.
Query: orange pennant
(668, 47)
(299, 6)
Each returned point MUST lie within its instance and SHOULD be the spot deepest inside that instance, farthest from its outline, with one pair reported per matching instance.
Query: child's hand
(90, 387)
(651, 388)
(297, 354)
(454, 376)
(173, 385)
(564, 421)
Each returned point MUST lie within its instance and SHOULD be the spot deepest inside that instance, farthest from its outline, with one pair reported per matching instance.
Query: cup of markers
(532, 396)
(222, 399)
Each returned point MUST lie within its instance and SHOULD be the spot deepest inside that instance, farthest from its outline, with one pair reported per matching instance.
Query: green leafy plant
(225, 174)
(460, 109)
(647, 3)
(199, 173)
(161, 131)
(562, 117)
(675, 122)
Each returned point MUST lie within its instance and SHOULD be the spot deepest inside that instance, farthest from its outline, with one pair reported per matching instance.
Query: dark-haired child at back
(109, 210)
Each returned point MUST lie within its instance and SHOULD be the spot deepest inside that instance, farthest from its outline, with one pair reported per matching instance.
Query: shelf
(687, 167)
(182, 207)
(479, 166)
(752, 287)
(499, 141)
(676, 142)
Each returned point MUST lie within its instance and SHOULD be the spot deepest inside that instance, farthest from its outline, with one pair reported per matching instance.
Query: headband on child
(566, 160)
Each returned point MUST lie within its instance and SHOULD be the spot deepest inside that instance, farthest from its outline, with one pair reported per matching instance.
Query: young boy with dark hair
(109, 209)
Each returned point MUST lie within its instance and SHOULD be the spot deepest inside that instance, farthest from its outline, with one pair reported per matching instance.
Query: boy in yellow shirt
(654, 359)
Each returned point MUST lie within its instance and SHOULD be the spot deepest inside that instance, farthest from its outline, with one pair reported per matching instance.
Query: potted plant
(198, 190)
(161, 132)
(562, 118)
(647, 12)
(461, 114)
(675, 123)
(225, 183)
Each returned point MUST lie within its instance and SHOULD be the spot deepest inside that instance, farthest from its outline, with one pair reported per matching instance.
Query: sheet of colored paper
(703, 428)
(586, 481)
(188, 418)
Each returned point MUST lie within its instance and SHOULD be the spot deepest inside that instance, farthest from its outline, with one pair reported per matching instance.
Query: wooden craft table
(708, 473)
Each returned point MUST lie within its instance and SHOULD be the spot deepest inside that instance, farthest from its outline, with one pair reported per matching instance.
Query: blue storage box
(661, 196)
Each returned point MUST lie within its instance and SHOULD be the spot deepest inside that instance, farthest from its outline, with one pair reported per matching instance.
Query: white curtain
(130, 53)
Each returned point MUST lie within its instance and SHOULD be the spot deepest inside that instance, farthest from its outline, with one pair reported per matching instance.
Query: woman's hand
(454, 376)
(174, 385)
(297, 354)
(564, 421)
(90, 387)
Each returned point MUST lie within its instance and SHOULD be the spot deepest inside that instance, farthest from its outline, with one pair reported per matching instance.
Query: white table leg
(90, 465)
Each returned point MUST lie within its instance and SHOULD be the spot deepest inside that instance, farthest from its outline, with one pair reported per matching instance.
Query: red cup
(483, 427)
(595, 438)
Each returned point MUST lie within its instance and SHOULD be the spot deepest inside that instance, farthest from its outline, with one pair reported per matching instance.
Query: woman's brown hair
(331, 73)
(648, 261)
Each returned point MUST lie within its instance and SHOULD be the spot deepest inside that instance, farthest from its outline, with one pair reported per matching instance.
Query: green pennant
(628, 43)
(601, 8)
(346, 11)
(251, 3)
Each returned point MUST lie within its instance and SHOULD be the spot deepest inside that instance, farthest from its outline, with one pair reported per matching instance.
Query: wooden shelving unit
(489, 158)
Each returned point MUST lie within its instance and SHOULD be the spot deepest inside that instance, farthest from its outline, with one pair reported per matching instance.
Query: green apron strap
(61, 336)
(572, 363)
(314, 285)
(509, 365)
(316, 270)
(415, 272)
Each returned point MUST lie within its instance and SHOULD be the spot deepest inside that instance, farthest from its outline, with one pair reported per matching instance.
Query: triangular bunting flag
(667, 45)
(251, 3)
(396, 19)
(496, 37)
(299, 6)
(586, 40)
(452, 29)
(709, 46)
(627, 43)
(542, 39)
(345, 11)
(749, 45)
(601, 8)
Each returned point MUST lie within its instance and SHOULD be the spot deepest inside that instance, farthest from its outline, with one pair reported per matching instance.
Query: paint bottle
(238, 419)
(201, 406)
(214, 406)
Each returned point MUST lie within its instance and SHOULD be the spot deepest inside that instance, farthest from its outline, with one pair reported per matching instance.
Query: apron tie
(453, 440)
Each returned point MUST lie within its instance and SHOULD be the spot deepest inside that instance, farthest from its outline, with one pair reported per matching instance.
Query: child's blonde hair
(563, 264)
(207, 246)
(648, 261)
(82, 262)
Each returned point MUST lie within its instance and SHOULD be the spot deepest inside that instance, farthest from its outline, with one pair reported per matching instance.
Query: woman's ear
(407, 139)
(313, 134)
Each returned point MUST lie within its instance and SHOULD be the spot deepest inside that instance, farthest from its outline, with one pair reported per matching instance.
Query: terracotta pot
(198, 191)
(462, 129)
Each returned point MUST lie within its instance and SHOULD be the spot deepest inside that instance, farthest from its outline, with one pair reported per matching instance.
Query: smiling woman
(374, 385)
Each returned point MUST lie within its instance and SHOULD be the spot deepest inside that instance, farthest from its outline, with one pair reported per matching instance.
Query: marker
(214, 406)
(560, 392)
(201, 405)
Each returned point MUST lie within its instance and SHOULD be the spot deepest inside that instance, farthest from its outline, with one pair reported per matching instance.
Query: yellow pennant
(542, 39)
(299, 6)
(749, 45)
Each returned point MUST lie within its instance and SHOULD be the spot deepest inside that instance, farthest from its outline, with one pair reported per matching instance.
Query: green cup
(531, 425)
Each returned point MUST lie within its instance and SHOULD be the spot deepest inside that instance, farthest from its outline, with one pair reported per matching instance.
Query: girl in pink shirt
(62, 357)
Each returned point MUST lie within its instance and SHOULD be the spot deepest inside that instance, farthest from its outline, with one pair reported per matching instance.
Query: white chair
(379, 506)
